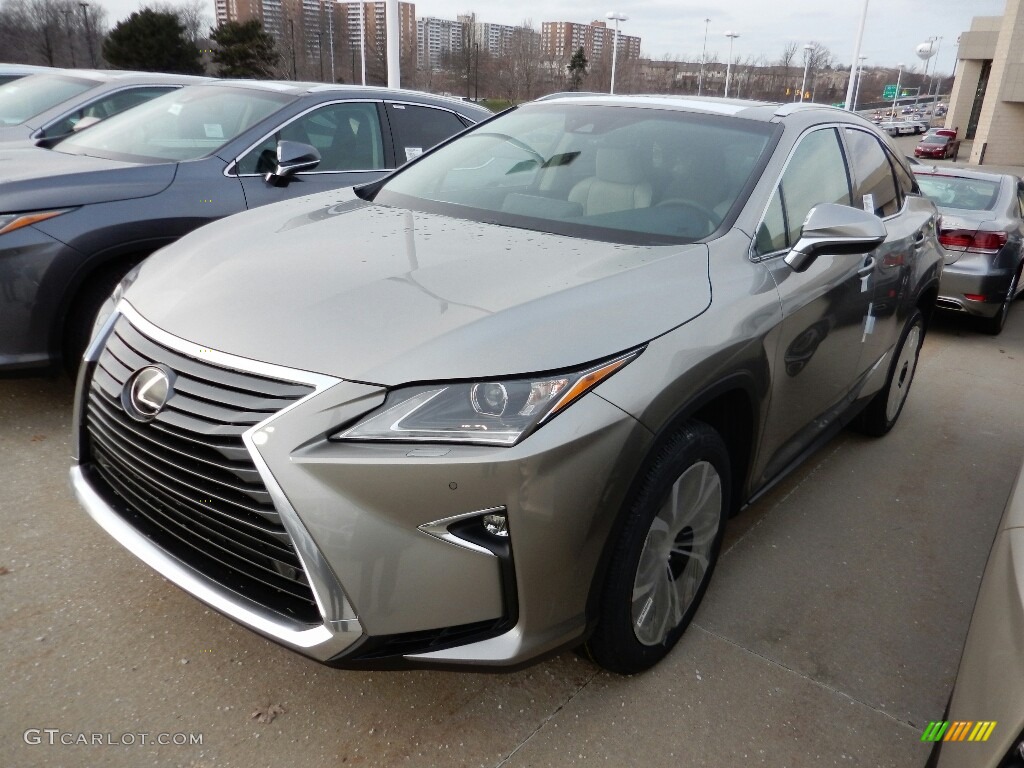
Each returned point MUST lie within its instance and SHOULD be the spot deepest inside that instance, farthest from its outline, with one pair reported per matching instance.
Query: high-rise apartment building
(560, 39)
(375, 26)
(436, 38)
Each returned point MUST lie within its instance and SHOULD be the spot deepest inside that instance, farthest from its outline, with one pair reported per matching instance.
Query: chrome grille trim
(340, 626)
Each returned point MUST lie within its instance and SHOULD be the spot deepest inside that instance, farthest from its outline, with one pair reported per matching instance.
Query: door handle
(869, 265)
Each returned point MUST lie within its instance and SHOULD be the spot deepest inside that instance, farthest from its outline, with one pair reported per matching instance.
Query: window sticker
(174, 109)
(411, 152)
(869, 203)
(213, 130)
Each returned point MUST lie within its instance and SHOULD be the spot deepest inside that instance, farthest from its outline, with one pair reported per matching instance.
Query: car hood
(32, 178)
(387, 296)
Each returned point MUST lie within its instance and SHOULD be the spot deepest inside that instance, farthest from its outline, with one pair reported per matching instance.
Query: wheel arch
(97, 269)
(730, 408)
(926, 303)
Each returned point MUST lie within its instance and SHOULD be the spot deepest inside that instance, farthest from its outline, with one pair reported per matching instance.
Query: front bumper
(360, 517)
(34, 274)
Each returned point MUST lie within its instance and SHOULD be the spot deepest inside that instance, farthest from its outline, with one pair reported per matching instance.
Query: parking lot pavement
(830, 635)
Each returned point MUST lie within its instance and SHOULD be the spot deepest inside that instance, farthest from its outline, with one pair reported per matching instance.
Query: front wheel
(666, 552)
(885, 407)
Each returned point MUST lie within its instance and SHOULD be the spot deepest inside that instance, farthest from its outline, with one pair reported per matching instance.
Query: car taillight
(966, 240)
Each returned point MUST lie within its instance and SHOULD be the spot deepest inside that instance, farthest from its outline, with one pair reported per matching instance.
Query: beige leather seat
(620, 184)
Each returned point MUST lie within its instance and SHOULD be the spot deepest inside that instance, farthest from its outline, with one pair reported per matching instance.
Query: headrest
(619, 165)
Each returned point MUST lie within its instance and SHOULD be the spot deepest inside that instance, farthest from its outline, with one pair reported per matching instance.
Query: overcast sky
(669, 27)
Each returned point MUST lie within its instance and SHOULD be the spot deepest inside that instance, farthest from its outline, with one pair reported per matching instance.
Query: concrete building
(494, 38)
(436, 38)
(269, 12)
(560, 39)
(987, 102)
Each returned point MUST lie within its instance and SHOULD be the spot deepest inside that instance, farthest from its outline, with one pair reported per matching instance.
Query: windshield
(935, 139)
(27, 97)
(183, 125)
(957, 192)
(621, 174)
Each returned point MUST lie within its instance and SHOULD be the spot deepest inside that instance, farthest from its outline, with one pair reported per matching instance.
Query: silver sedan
(982, 232)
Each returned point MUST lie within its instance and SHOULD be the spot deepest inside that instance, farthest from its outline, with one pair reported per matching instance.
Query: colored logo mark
(958, 730)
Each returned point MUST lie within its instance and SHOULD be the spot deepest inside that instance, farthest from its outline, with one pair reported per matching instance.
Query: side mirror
(292, 157)
(835, 229)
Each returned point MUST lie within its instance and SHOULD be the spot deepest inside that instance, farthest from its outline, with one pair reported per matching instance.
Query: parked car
(504, 400)
(938, 146)
(938, 130)
(75, 219)
(986, 702)
(48, 106)
(9, 72)
(983, 235)
(902, 127)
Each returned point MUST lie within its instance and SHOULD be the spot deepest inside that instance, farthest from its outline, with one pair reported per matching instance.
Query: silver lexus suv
(505, 400)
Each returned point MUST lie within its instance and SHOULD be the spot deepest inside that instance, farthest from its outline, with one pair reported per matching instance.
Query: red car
(939, 145)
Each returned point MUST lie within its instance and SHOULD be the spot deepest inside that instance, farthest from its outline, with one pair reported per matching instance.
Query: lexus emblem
(147, 392)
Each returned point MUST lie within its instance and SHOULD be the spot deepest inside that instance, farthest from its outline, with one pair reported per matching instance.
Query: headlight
(108, 306)
(496, 412)
(12, 221)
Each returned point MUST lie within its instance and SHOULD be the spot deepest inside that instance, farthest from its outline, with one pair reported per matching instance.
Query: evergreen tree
(244, 50)
(577, 67)
(152, 41)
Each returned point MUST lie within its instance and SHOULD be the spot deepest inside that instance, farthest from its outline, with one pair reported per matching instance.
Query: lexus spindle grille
(186, 480)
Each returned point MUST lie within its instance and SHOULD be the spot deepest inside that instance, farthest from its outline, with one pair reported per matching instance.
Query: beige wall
(1001, 123)
(961, 100)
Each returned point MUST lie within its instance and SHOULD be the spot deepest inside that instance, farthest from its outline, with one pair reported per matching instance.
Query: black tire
(82, 315)
(695, 464)
(885, 407)
(994, 325)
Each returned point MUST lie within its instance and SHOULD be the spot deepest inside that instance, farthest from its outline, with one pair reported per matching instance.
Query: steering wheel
(710, 216)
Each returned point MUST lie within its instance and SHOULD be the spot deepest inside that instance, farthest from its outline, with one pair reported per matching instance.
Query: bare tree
(51, 32)
(518, 64)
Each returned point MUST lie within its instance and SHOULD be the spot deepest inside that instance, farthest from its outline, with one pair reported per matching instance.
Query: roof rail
(796, 106)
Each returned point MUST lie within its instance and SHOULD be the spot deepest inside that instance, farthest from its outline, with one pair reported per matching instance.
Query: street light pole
(860, 77)
(71, 44)
(291, 27)
(899, 79)
(330, 38)
(728, 65)
(703, 58)
(320, 52)
(856, 56)
(615, 46)
(931, 85)
(362, 37)
(807, 60)
(88, 35)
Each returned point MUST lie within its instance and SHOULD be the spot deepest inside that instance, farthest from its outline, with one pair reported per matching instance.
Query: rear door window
(416, 129)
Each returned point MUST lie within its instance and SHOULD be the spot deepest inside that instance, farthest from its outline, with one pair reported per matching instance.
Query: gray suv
(76, 218)
(505, 400)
